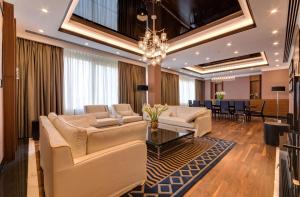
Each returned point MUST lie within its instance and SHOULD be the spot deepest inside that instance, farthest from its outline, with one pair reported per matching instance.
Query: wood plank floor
(248, 169)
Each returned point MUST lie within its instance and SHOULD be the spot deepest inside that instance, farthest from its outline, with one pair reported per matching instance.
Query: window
(186, 89)
(88, 79)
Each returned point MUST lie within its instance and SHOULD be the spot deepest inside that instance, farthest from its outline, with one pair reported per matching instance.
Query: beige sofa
(86, 161)
(192, 118)
(125, 112)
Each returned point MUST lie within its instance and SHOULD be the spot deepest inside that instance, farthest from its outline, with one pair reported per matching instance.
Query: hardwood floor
(247, 170)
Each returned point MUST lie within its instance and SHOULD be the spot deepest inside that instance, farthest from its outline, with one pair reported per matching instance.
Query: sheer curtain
(103, 12)
(88, 79)
(186, 89)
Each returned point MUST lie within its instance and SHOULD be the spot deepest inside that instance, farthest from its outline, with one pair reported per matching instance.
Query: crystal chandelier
(154, 43)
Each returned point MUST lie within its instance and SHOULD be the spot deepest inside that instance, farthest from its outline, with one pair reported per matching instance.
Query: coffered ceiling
(255, 29)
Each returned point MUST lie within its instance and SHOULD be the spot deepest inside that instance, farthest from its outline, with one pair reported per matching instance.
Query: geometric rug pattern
(179, 169)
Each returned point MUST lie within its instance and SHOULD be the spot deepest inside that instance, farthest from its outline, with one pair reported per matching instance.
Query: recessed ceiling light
(197, 53)
(41, 31)
(251, 68)
(140, 59)
(169, 67)
(229, 44)
(274, 11)
(274, 31)
(185, 63)
(118, 52)
(44, 10)
(174, 59)
(275, 43)
(277, 65)
(86, 44)
(207, 58)
(276, 53)
(277, 60)
(231, 71)
(236, 52)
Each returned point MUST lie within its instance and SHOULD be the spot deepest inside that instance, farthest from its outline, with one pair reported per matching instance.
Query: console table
(272, 130)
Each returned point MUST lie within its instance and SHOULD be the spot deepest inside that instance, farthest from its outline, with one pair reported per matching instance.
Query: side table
(272, 130)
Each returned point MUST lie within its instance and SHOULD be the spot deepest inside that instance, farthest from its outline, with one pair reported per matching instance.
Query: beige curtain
(200, 89)
(169, 88)
(129, 77)
(40, 83)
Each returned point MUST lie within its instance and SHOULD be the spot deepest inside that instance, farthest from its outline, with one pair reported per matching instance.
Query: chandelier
(154, 43)
(223, 78)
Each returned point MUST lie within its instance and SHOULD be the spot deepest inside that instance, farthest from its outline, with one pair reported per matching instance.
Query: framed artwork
(291, 69)
(291, 85)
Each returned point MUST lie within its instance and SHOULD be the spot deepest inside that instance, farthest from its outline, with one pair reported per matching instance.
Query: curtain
(39, 84)
(186, 89)
(200, 89)
(88, 79)
(103, 12)
(169, 88)
(129, 77)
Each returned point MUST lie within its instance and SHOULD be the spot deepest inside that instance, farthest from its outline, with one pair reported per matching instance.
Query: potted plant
(220, 95)
(154, 112)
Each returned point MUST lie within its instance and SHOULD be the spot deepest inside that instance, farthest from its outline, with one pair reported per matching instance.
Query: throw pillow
(126, 113)
(191, 117)
(105, 122)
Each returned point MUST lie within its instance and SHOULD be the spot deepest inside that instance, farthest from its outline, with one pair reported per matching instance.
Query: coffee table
(160, 139)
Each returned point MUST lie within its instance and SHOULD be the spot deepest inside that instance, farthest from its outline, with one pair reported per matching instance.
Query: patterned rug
(179, 169)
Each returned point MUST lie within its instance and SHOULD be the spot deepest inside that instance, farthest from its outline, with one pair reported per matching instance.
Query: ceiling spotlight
(41, 31)
(274, 31)
(229, 44)
(197, 53)
(251, 68)
(231, 71)
(275, 43)
(140, 59)
(276, 53)
(273, 11)
(236, 52)
(174, 59)
(207, 58)
(118, 52)
(44, 10)
(277, 60)
(86, 44)
(169, 67)
(142, 13)
(277, 65)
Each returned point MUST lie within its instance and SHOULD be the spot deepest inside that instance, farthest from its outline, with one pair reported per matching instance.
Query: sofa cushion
(171, 111)
(83, 122)
(183, 112)
(95, 108)
(176, 121)
(193, 115)
(128, 119)
(100, 115)
(76, 137)
(52, 116)
(105, 122)
(126, 113)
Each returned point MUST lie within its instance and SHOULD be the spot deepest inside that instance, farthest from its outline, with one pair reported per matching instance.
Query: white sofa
(86, 161)
(103, 117)
(125, 112)
(197, 119)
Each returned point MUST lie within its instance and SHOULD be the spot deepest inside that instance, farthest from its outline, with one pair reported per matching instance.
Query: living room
(149, 98)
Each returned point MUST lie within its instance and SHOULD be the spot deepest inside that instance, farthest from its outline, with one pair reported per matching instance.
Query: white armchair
(125, 112)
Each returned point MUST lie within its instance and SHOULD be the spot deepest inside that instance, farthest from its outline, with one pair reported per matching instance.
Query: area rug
(179, 169)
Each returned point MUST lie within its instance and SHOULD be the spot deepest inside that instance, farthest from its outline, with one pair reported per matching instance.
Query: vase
(154, 124)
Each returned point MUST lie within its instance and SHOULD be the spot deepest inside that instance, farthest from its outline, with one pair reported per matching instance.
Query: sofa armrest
(99, 139)
(110, 172)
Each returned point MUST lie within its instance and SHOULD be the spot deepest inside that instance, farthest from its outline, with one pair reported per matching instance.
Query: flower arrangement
(220, 95)
(154, 112)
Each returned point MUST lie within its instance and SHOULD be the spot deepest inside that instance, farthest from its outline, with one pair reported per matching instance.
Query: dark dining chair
(259, 112)
(208, 104)
(196, 103)
(190, 103)
(240, 110)
(224, 108)
(202, 104)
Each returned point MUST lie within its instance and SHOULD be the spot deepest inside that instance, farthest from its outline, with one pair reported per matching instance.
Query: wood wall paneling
(9, 78)
(271, 107)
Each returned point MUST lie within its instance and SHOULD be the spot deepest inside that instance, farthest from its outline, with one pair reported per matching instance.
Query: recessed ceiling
(30, 17)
